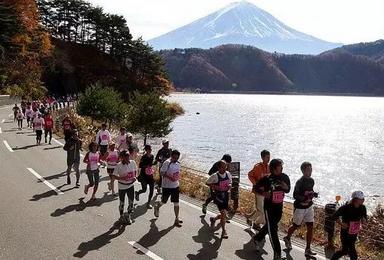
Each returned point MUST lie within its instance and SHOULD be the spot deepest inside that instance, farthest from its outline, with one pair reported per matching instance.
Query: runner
(73, 147)
(170, 185)
(256, 219)
(67, 127)
(103, 138)
(273, 188)
(125, 172)
(48, 126)
(352, 214)
(121, 140)
(303, 207)
(220, 183)
(215, 168)
(132, 146)
(20, 118)
(38, 126)
(112, 158)
(15, 110)
(29, 115)
(92, 159)
(162, 155)
(146, 175)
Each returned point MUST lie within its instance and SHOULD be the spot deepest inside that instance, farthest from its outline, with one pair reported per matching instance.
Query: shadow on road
(204, 236)
(53, 147)
(99, 241)
(153, 236)
(56, 176)
(249, 251)
(82, 205)
(24, 147)
(50, 193)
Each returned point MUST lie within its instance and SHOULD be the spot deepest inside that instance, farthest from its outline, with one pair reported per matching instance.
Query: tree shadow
(204, 236)
(153, 236)
(99, 241)
(24, 147)
(82, 205)
(249, 251)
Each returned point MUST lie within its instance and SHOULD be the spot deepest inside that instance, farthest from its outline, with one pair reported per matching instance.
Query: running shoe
(149, 206)
(224, 235)
(204, 209)
(77, 184)
(177, 223)
(309, 252)
(288, 243)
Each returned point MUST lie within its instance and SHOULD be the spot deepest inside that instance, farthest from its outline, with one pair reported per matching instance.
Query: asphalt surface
(58, 221)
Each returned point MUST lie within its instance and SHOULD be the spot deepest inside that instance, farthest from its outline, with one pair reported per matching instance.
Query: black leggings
(48, 132)
(272, 217)
(130, 193)
(39, 133)
(147, 181)
(347, 246)
(20, 123)
(93, 177)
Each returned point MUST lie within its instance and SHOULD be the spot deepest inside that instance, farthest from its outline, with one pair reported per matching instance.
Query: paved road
(38, 221)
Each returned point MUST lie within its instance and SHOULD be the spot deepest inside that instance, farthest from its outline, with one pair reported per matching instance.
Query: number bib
(129, 177)
(104, 137)
(277, 197)
(176, 175)
(223, 185)
(354, 227)
(149, 171)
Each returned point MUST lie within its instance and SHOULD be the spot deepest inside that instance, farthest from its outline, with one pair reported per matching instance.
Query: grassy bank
(192, 183)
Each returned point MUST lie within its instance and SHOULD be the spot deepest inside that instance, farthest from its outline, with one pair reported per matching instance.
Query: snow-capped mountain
(242, 23)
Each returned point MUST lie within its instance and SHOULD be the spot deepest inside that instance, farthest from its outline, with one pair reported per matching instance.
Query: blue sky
(345, 21)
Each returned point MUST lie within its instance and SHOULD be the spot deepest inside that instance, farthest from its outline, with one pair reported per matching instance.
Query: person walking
(215, 168)
(146, 175)
(256, 218)
(73, 148)
(273, 189)
(170, 172)
(303, 207)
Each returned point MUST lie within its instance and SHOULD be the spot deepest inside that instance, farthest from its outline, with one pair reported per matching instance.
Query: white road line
(2, 121)
(8, 146)
(243, 226)
(0, 130)
(44, 181)
(144, 250)
(10, 115)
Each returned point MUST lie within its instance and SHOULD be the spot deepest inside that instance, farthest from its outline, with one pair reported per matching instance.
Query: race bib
(176, 176)
(112, 158)
(224, 185)
(354, 227)
(48, 123)
(104, 137)
(149, 171)
(130, 176)
(277, 197)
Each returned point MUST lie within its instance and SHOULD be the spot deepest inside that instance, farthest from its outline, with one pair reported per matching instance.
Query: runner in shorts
(146, 175)
(170, 171)
(112, 159)
(303, 208)
(103, 138)
(220, 182)
(125, 173)
(92, 159)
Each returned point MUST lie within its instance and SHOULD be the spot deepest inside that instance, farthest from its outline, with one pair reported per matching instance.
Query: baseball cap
(129, 135)
(358, 195)
(165, 141)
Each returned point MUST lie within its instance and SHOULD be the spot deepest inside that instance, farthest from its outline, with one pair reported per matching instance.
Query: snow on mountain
(242, 23)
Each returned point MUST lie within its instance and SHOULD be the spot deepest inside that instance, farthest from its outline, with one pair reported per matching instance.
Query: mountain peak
(242, 23)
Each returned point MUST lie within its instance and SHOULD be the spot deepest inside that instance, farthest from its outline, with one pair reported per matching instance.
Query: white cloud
(346, 21)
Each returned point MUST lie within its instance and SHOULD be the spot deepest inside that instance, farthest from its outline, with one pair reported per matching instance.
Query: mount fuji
(242, 23)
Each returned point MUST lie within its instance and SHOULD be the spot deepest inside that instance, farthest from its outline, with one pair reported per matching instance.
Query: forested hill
(244, 68)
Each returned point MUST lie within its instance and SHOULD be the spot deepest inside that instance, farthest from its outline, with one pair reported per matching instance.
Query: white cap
(129, 135)
(165, 141)
(358, 195)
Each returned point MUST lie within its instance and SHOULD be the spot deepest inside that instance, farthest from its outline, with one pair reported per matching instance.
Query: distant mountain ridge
(245, 68)
(242, 23)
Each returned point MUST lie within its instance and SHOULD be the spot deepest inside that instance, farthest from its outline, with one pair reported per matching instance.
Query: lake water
(342, 137)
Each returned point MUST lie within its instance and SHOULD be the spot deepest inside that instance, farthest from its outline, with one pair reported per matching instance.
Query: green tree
(149, 116)
(104, 104)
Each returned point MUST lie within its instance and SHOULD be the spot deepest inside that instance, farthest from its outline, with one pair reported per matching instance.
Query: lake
(342, 137)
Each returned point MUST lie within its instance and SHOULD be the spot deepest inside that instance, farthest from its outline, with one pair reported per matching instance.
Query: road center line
(44, 181)
(8, 146)
(144, 250)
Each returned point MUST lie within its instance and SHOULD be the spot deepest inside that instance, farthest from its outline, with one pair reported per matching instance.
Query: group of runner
(269, 182)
